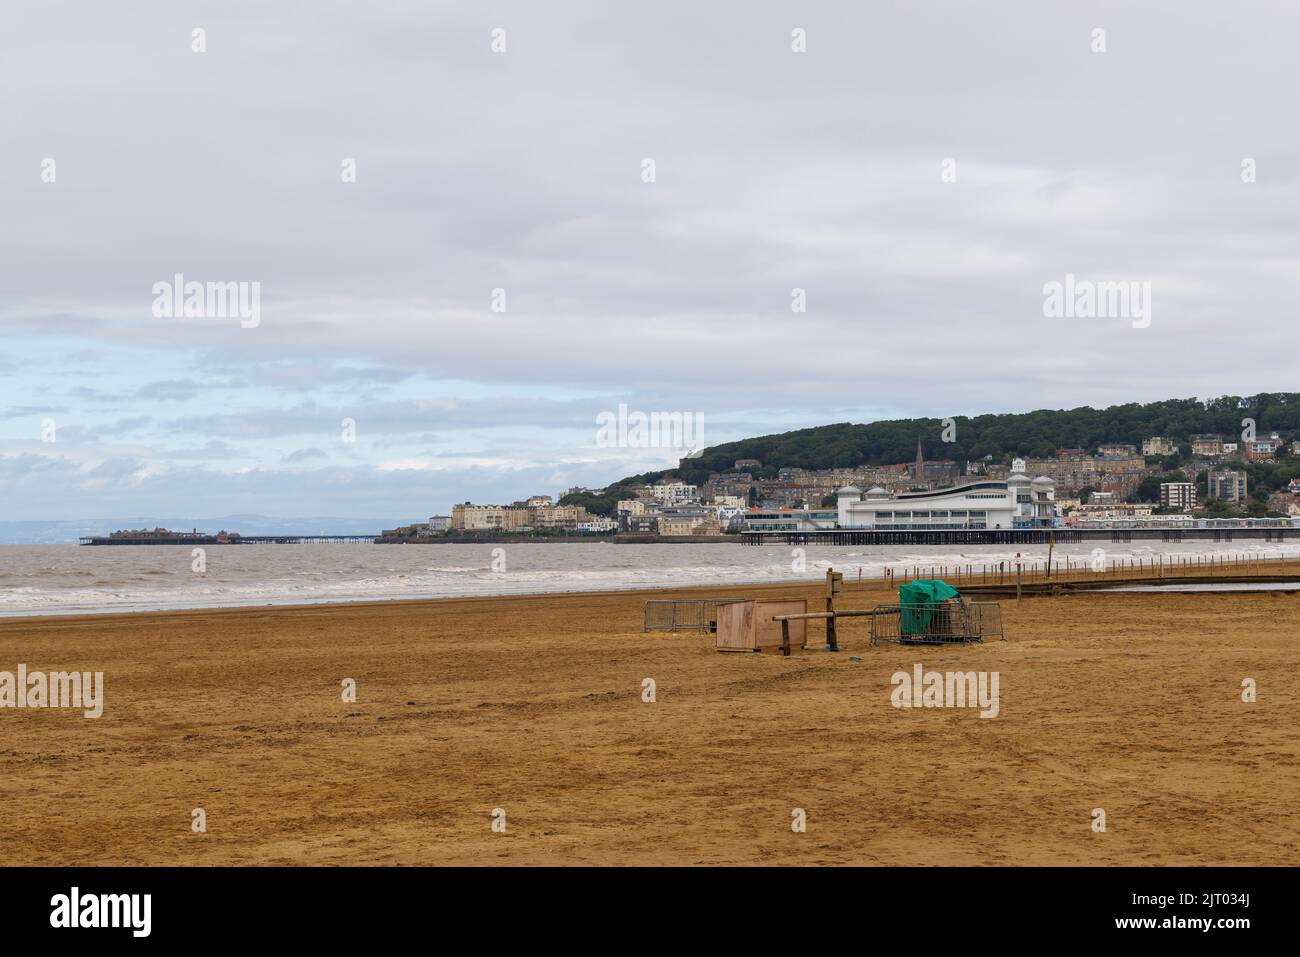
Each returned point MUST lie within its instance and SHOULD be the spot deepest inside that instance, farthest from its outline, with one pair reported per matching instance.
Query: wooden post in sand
(834, 585)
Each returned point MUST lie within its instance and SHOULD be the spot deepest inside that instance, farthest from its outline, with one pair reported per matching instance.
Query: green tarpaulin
(919, 599)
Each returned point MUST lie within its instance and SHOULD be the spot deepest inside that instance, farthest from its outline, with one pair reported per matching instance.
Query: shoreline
(585, 591)
(1282, 563)
(722, 590)
(415, 600)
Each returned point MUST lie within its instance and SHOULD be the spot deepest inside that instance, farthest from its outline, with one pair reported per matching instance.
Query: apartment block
(1179, 495)
(1228, 485)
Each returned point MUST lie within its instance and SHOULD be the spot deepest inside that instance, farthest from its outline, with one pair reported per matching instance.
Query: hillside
(1035, 434)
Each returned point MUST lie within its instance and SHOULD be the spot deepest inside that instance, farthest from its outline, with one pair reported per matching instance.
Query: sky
(505, 265)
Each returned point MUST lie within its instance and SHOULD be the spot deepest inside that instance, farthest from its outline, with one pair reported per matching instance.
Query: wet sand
(1126, 702)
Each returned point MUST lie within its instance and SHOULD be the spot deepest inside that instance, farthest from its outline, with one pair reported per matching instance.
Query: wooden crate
(748, 625)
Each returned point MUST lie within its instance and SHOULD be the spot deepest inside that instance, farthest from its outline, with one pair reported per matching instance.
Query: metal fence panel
(988, 620)
(943, 624)
(683, 614)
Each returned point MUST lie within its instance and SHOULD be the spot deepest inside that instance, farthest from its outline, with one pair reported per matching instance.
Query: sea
(70, 579)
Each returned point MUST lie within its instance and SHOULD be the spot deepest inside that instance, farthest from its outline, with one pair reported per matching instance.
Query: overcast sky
(523, 170)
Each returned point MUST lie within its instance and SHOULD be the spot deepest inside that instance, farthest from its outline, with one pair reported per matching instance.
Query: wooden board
(735, 626)
(767, 633)
(748, 625)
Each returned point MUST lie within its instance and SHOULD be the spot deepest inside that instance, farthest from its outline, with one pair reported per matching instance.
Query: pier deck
(1017, 536)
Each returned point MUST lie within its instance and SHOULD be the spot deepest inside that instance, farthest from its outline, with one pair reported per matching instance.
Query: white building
(789, 519)
(731, 501)
(1019, 502)
(675, 493)
(1178, 495)
(730, 516)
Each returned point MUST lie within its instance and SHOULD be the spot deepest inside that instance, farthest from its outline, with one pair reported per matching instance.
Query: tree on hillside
(1034, 434)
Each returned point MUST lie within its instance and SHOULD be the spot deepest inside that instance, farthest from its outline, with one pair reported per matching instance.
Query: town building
(675, 493)
(1227, 484)
(1112, 511)
(790, 519)
(639, 524)
(688, 525)
(932, 474)
(1159, 445)
(1117, 451)
(1180, 495)
(730, 501)
(563, 517)
(1284, 502)
(1015, 503)
(1072, 470)
(468, 517)
(1261, 450)
(1209, 446)
(439, 523)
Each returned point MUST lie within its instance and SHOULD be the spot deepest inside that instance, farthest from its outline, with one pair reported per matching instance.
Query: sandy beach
(1128, 703)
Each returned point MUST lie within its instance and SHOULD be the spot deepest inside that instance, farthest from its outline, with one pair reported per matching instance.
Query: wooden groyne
(1066, 575)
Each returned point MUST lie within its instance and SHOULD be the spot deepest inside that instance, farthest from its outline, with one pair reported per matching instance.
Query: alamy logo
(1086, 299)
(208, 300)
(103, 910)
(58, 689)
(952, 689)
(654, 430)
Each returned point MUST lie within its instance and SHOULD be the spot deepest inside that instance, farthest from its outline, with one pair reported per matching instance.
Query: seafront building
(1017, 502)
(519, 517)
(790, 519)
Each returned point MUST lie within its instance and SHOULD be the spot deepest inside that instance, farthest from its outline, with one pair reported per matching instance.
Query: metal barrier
(945, 623)
(683, 614)
(988, 620)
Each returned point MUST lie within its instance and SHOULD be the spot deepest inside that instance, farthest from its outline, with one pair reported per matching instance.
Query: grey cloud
(304, 455)
(172, 389)
(775, 170)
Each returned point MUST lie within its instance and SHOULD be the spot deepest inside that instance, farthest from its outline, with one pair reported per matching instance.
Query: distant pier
(191, 539)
